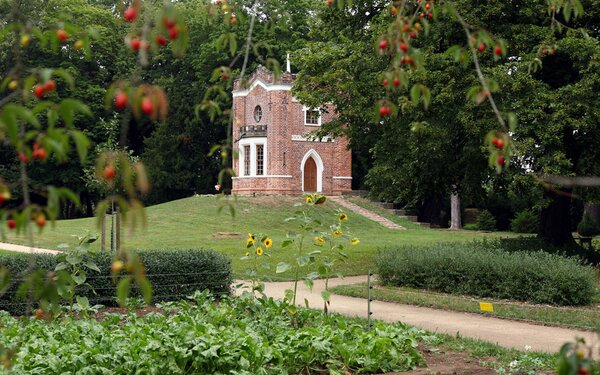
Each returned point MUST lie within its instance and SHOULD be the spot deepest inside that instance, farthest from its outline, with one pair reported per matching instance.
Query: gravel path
(26, 249)
(506, 333)
(366, 213)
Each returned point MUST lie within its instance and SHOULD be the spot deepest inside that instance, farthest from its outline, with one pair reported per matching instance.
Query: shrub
(525, 222)
(587, 226)
(174, 274)
(470, 227)
(473, 269)
(486, 221)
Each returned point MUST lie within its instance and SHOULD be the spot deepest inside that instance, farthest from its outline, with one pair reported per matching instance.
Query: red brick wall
(285, 118)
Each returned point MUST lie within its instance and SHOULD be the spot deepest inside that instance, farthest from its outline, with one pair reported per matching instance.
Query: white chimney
(289, 66)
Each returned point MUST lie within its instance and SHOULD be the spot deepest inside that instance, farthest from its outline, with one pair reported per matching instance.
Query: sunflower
(355, 241)
(319, 240)
(259, 251)
(247, 253)
(250, 240)
(342, 217)
(337, 233)
(309, 199)
(268, 242)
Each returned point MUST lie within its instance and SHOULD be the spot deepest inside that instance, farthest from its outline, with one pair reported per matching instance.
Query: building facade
(276, 155)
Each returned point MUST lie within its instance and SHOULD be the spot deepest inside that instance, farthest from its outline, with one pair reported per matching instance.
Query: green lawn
(577, 317)
(195, 222)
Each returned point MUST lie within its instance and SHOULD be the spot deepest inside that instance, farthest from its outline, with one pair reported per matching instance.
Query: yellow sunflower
(319, 240)
(355, 241)
(250, 240)
(337, 233)
(247, 253)
(342, 217)
(309, 199)
(268, 242)
(259, 251)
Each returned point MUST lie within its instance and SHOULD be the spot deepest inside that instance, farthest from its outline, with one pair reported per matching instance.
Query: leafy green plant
(587, 226)
(486, 221)
(470, 226)
(241, 335)
(257, 246)
(77, 262)
(576, 359)
(525, 221)
(478, 270)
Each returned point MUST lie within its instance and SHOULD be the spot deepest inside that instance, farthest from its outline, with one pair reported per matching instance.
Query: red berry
(62, 35)
(329, 2)
(500, 143)
(39, 91)
(403, 47)
(39, 154)
(430, 15)
(498, 51)
(396, 82)
(500, 161)
(136, 44)
(173, 32)
(23, 156)
(482, 47)
(218, 2)
(50, 86)
(130, 14)
(583, 371)
(40, 221)
(147, 106)
(383, 44)
(109, 173)
(161, 40)
(224, 76)
(385, 82)
(413, 34)
(168, 22)
(121, 100)
(427, 6)
(422, 15)
(12, 224)
(385, 111)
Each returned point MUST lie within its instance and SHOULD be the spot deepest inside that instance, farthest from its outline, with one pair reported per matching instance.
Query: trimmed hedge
(472, 269)
(174, 274)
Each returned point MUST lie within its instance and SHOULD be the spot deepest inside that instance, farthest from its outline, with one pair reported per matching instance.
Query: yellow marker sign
(486, 306)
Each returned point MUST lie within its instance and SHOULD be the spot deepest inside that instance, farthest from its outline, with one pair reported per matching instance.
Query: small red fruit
(109, 173)
(396, 82)
(40, 221)
(384, 111)
(130, 14)
(62, 35)
(161, 40)
(383, 44)
(427, 6)
(385, 83)
(173, 32)
(500, 161)
(39, 314)
(168, 22)
(500, 143)
(413, 34)
(224, 76)
(482, 47)
(121, 100)
(50, 85)
(22, 157)
(422, 15)
(147, 106)
(39, 154)
(583, 371)
(498, 51)
(39, 91)
(403, 47)
(12, 224)
(136, 44)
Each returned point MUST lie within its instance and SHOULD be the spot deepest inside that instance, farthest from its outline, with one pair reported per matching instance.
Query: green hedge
(472, 269)
(174, 274)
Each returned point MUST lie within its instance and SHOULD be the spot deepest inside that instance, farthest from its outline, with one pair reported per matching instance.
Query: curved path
(506, 333)
(26, 249)
(366, 213)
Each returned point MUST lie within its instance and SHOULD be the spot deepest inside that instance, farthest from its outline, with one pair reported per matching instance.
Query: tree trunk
(455, 211)
(555, 219)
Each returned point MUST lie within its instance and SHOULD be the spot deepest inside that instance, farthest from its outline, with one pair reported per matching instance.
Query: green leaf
(83, 302)
(326, 295)
(91, 265)
(309, 283)
(283, 267)
(146, 288)
(123, 289)
(82, 143)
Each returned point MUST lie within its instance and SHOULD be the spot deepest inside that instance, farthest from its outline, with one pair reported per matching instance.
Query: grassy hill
(195, 222)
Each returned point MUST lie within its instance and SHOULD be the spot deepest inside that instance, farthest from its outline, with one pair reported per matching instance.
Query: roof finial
(289, 66)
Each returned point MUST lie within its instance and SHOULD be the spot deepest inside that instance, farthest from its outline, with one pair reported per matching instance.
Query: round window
(258, 113)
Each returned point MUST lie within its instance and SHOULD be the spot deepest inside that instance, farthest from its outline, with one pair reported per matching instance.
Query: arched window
(258, 113)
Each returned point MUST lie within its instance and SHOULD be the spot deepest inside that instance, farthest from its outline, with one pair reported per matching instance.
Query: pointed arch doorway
(312, 172)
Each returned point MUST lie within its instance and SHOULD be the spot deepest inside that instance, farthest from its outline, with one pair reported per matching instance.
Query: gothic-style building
(276, 155)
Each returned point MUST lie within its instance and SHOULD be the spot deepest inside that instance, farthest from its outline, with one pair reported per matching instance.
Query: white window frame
(306, 109)
(253, 142)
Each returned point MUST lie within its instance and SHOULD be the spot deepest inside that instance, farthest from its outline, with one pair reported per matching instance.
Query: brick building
(275, 154)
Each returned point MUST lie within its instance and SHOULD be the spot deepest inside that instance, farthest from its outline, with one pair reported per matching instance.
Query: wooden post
(103, 232)
(118, 230)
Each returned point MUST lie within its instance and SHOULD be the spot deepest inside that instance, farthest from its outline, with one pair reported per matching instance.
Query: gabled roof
(264, 78)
